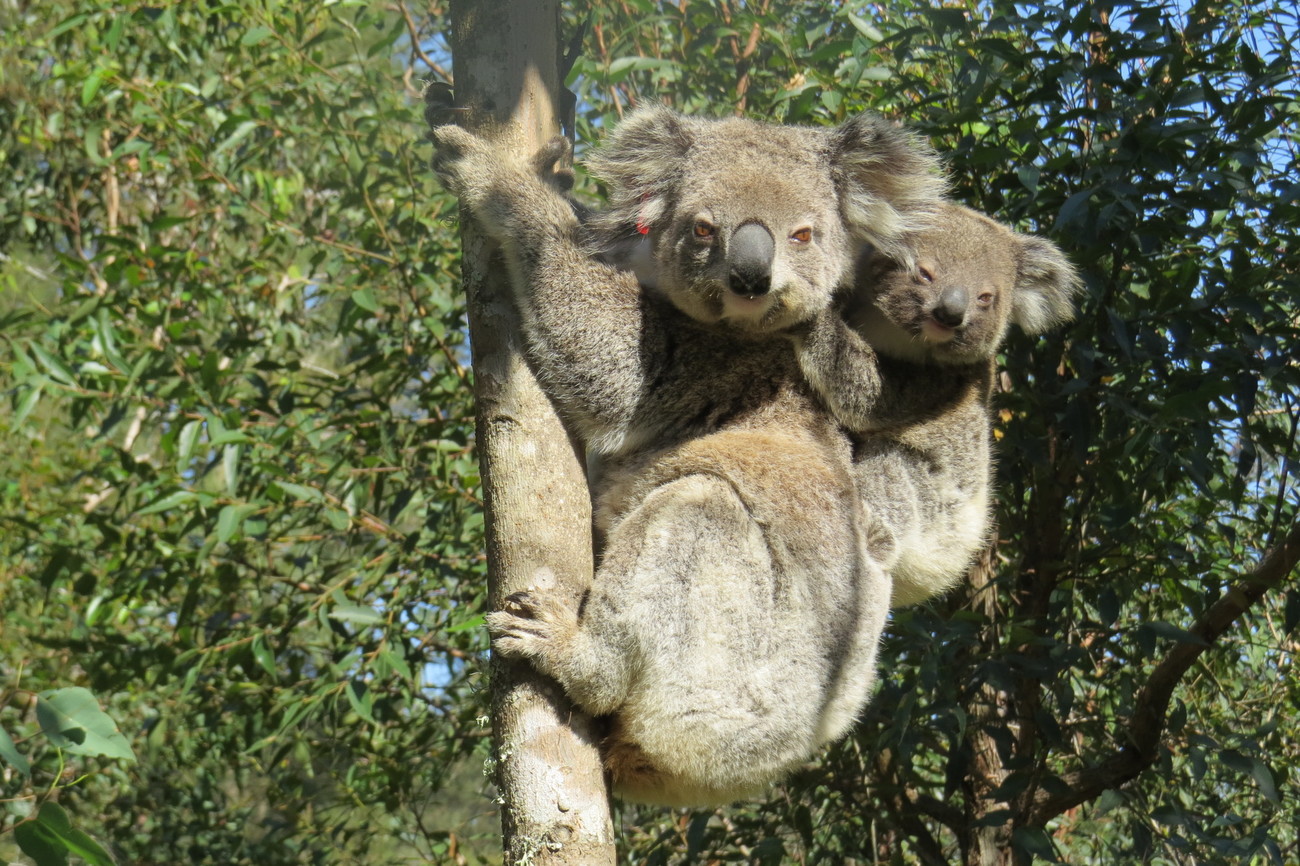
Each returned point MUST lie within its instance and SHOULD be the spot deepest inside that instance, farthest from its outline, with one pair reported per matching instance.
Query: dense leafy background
(239, 502)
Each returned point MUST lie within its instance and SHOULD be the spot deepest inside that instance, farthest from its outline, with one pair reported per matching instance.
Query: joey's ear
(889, 181)
(1046, 284)
(642, 161)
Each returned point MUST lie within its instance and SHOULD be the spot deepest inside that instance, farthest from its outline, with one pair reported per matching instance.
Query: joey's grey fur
(731, 626)
(917, 389)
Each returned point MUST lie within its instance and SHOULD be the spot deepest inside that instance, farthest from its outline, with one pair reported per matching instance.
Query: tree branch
(947, 815)
(1147, 724)
(902, 805)
(418, 50)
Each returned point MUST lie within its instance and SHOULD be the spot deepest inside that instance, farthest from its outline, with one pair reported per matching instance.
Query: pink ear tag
(642, 226)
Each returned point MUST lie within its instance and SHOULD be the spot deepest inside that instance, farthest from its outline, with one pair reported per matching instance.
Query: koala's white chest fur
(936, 548)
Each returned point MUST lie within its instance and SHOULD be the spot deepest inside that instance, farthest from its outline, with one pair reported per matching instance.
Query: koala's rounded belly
(734, 580)
(795, 483)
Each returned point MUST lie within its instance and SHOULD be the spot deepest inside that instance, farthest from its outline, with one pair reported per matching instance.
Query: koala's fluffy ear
(641, 161)
(1046, 284)
(888, 179)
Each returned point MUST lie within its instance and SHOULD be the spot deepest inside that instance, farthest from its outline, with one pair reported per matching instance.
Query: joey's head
(755, 225)
(971, 278)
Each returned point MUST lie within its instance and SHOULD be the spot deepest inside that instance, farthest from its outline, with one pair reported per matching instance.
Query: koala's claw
(522, 604)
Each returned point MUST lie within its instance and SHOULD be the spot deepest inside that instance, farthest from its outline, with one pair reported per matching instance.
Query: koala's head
(970, 279)
(755, 225)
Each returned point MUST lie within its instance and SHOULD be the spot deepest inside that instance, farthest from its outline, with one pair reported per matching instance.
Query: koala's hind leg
(689, 585)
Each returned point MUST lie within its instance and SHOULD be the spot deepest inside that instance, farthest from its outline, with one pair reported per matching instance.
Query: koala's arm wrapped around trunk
(868, 392)
(593, 344)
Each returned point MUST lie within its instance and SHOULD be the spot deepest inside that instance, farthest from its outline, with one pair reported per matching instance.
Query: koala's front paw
(464, 163)
(533, 627)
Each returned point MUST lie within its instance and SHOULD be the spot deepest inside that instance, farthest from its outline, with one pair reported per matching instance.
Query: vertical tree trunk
(555, 807)
(985, 843)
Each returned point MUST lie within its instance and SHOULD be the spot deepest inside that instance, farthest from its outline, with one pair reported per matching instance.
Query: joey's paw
(531, 626)
(813, 329)
(553, 163)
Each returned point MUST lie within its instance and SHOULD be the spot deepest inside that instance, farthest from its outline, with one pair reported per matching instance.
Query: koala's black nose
(750, 260)
(951, 307)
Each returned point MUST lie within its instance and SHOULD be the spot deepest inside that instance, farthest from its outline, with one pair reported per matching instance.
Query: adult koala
(731, 627)
(912, 373)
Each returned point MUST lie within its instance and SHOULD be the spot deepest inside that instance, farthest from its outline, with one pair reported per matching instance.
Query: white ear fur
(889, 181)
(1046, 284)
(641, 161)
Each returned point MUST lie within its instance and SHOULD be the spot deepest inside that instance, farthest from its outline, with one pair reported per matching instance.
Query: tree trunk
(986, 842)
(555, 806)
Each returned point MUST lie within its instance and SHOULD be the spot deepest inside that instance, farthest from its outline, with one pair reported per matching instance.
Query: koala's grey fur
(917, 390)
(732, 624)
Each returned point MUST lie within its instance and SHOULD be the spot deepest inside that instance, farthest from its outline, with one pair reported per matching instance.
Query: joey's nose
(951, 307)
(750, 260)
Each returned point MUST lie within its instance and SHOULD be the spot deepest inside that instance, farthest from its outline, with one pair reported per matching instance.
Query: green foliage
(50, 837)
(72, 723)
(239, 502)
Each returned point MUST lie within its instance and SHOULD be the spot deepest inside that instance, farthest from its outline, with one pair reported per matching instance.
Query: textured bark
(555, 805)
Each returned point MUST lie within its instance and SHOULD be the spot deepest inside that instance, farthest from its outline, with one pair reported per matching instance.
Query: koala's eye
(925, 274)
(705, 230)
(801, 236)
(984, 299)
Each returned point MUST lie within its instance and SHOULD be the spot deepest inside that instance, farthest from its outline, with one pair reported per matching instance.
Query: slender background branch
(1147, 724)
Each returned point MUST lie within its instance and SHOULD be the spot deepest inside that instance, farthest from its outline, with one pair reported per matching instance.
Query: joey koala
(911, 374)
(732, 623)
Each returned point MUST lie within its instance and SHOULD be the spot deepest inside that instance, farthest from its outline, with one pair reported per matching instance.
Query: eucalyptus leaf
(171, 500)
(72, 720)
(51, 838)
(11, 756)
(299, 491)
(26, 405)
(355, 613)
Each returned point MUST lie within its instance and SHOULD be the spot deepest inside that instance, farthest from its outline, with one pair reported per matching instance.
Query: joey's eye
(925, 274)
(705, 230)
(801, 236)
(984, 299)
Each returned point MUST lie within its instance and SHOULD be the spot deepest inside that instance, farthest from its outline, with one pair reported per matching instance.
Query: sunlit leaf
(171, 500)
(299, 491)
(73, 721)
(355, 613)
(26, 405)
